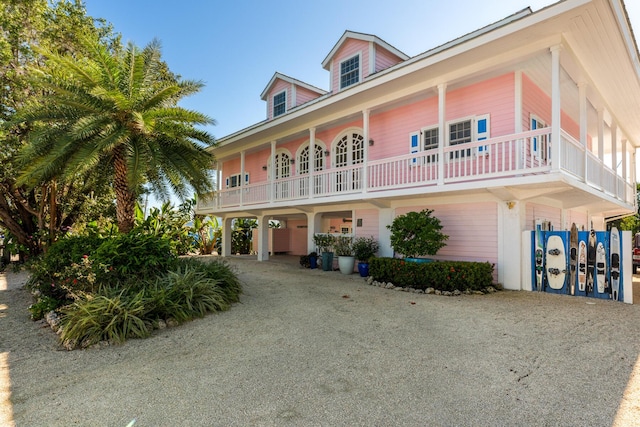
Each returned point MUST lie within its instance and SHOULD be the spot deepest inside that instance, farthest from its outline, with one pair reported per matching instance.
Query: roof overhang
(597, 34)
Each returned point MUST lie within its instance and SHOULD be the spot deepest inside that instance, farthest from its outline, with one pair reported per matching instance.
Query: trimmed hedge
(440, 275)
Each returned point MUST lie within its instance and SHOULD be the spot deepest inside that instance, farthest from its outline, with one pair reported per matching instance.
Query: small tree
(365, 248)
(417, 234)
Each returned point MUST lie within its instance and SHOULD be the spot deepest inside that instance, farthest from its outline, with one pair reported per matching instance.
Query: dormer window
(350, 71)
(279, 104)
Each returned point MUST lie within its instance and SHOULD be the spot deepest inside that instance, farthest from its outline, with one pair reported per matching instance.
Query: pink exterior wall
(298, 243)
(536, 101)
(494, 96)
(304, 95)
(370, 223)
(348, 49)
(580, 219)
(385, 59)
(278, 87)
(472, 229)
(545, 213)
(390, 130)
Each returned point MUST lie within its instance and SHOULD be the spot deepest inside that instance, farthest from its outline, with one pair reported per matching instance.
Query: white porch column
(226, 236)
(263, 238)
(312, 163)
(582, 93)
(601, 134)
(272, 168)
(556, 112)
(625, 178)
(311, 230)
(365, 131)
(510, 225)
(242, 172)
(614, 156)
(517, 125)
(442, 92)
(385, 217)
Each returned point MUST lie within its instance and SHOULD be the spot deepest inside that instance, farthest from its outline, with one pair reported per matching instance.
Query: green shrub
(191, 290)
(44, 305)
(45, 271)
(441, 275)
(221, 271)
(132, 257)
(417, 234)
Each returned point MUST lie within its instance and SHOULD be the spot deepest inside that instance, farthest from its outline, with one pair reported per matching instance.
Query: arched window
(283, 165)
(304, 159)
(349, 151)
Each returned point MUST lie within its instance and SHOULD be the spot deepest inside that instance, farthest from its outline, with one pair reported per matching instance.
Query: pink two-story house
(533, 118)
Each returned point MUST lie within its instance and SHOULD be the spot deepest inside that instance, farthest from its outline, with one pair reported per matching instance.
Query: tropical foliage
(34, 216)
(417, 234)
(115, 110)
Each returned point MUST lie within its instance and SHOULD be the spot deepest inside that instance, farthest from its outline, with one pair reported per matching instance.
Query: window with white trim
(279, 103)
(430, 137)
(350, 71)
(303, 160)
(236, 181)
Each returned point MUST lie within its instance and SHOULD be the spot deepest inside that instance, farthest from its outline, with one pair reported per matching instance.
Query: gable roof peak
(348, 34)
(279, 76)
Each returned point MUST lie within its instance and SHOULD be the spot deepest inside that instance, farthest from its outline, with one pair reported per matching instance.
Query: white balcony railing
(521, 154)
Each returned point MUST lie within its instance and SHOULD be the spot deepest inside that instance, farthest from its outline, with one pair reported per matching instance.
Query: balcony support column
(272, 175)
(263, 238)
(442, 92)
(312, 162)
(623, 160)
(556, 111)
(242, 172)
(601, 134)
(614, 155)
(365, 130)
(226, 236)
(582, 93)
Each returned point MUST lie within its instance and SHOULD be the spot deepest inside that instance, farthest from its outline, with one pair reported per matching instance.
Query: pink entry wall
(472, 229)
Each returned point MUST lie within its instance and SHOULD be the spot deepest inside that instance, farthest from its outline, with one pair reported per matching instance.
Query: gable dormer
(284, 93)
(357, 56)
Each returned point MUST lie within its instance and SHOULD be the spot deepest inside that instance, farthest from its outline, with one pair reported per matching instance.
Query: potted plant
(364, 248)
(313, 260)
(325, 242)
(417, 234)
(344, 250)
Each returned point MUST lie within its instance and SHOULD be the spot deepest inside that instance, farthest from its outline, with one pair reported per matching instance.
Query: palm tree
(117, 111)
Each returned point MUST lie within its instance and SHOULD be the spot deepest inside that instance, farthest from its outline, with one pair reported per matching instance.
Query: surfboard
(614, 252)
(555, 262)
(601, 268)
(573, 259)
(591, 261)
(582, 265)
(539, 259)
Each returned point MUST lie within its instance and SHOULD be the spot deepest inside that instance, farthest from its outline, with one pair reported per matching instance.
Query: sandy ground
(313, 348)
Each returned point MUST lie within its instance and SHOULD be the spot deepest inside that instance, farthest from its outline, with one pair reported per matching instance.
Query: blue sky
(235, 47)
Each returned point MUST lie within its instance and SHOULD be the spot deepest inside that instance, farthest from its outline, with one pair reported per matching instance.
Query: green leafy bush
(111, 317)
(44, 305)
(417, 234)
(441, 275)
(133, 257)
(46, 271)
(191, 290)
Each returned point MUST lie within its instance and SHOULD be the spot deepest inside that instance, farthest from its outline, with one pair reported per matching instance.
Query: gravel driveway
(314, 348)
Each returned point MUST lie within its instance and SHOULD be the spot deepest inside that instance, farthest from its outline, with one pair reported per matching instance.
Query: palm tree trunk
(125, 198)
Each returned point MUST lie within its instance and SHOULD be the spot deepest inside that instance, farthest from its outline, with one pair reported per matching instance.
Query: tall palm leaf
(118, 109)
